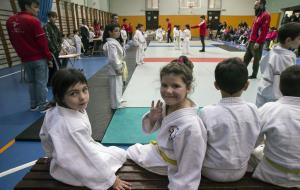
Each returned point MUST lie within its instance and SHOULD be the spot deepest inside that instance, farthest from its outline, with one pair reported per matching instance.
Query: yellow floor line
(7, 146)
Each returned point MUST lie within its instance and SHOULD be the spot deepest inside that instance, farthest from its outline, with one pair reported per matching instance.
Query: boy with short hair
(279, 58)
(232, 125)
(281, 128)
(30, 42)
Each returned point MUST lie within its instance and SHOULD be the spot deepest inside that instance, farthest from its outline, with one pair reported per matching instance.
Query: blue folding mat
(125, 128)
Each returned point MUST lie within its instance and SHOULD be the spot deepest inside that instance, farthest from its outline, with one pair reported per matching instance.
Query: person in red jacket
(30, 42)
(202, 31)
(169, 29)
(130, 31)
(258, 35)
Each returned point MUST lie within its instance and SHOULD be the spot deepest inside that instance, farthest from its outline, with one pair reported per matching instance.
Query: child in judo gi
(76, 159)
(232, 125)
(280, 121)
(181, 141)
(277, 60)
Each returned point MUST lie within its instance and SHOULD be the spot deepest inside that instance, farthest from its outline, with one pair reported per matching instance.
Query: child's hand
(121, 185)
(155, 112)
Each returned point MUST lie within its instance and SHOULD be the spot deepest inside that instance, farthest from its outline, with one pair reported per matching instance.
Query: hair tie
(180, 60)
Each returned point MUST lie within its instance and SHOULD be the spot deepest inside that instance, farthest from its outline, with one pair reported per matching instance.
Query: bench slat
(45, 185)
(39, 178)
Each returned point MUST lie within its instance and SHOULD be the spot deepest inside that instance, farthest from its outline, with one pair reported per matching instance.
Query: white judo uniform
(179, 151)
(116, 55)
(159, 35)
(78, 44)
(67, 47)
(233, 127)
(271, 66)
(281, 128)
(186, 41)
(124, 37)
(176, 38)
(142, 45)
(77, 159)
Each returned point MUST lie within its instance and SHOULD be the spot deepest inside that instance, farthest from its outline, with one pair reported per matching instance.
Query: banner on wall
(45, 7)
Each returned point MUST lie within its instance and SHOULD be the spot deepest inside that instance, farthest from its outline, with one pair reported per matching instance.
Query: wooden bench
(39, 178)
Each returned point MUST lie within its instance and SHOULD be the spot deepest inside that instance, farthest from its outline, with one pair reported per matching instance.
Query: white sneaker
(122, 105)
(122, 100)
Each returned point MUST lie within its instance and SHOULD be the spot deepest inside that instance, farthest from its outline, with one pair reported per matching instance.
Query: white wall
(97, 4)
(171, 7)
(127, 7)
(277, 5)
(237, 7)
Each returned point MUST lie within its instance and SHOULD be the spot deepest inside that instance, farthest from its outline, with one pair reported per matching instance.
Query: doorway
(213, 19)
(151, 20)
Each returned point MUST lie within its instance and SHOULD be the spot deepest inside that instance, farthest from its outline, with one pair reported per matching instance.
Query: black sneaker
(202, 50)
(34, 108)
(252, 77)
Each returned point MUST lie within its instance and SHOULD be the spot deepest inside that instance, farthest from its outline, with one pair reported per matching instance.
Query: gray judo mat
(228, 48)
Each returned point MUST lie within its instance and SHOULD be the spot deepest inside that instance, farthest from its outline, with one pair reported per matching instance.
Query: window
(190, 3)
(152, 4)
(214, 4)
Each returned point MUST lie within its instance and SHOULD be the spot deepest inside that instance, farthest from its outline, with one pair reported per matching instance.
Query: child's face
(173, 90)
(293, 43)
(115, 33)
(33, 9)
(77, 97)
(52, 19)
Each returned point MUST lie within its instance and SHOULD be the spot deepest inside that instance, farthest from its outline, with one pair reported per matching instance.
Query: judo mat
(98, 88)
(98, 110)
(229, 48)
(146, 78)
(125, 128)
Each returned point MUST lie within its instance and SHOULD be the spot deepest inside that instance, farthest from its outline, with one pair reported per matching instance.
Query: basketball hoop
(190, 4)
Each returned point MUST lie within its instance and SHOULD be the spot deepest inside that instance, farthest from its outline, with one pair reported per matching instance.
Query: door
(151, 20)
(213, 19)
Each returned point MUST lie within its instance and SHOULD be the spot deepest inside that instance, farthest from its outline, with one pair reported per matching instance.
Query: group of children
(216, 141)
(181, 37)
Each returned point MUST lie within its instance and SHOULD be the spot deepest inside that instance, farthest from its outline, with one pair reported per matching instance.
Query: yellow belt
(163, 155)
(281, 168)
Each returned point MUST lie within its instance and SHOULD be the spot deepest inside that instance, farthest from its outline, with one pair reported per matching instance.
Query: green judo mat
(125, 128)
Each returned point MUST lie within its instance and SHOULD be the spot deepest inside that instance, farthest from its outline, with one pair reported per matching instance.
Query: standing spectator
(202, 31)
(293, 17)
(115, 19)
(97, 28)
(54, 37)
(271, 36)
(125, 25)
(169, 28)
(30, 42)
(85, 35)
(258, 35)
(130, 31)
(78, 43)
(285, 19)
(225, 24)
